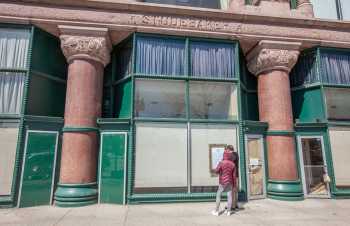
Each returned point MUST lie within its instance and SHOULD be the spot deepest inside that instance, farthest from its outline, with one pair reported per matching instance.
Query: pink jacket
(226, 169)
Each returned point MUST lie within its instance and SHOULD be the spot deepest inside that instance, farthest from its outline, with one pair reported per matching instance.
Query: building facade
(106, 101)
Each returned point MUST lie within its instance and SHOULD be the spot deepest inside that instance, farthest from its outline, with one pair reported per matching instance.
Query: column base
(286, 190)
(74, 195)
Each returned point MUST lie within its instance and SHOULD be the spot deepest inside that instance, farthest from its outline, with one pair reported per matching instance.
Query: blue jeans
(224, 188)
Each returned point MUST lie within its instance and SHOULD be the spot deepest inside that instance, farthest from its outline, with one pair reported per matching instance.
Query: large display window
(213, 100)
(161, 158)
(340, 143)
(184, 110)
(160, 99)
(337, 103)
(8, 141)
(176, 157)
(203, 137)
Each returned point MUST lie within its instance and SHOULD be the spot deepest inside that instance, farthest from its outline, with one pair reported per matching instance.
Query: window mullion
(339, 9)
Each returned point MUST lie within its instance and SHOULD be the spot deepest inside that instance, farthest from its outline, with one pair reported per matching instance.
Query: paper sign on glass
(216, 152)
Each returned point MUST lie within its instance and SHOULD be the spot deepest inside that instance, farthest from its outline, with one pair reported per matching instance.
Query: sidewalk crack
(61, 218)
(126, 216)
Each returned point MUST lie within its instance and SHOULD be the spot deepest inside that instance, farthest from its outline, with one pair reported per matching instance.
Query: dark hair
(230, 147)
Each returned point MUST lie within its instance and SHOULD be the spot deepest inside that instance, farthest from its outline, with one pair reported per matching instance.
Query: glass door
(255, 166)
(313, 165)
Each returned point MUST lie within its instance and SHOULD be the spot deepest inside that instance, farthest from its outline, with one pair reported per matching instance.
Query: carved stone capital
(273, 55)
(88, 43)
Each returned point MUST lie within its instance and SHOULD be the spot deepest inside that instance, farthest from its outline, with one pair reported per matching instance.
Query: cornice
(124, 18)
(140, 7)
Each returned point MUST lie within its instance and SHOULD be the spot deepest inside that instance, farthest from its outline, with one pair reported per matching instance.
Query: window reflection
(160, 99)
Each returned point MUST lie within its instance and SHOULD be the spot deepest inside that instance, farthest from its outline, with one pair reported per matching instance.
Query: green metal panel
(123, 99)
(112, 167)
(308, 105)
(38, 168)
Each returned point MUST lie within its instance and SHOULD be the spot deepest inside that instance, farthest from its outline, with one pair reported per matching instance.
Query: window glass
(336, 67)
(340, 143)
(124, 62)
(196, 3)
(160, 56)
(14, 46)
(213, 100)
(203, 136)
(345, 6)
(305, 71)
(8, 141)
(210, 59)
(161, 158)
(325, 9)
(11, 92)
(338, 104)
(160, 99)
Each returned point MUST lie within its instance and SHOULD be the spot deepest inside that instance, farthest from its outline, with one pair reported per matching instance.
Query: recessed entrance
(313, 165)
(255, 167)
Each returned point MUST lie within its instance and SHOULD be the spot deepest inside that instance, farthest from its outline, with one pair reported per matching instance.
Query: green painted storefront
(125, 178)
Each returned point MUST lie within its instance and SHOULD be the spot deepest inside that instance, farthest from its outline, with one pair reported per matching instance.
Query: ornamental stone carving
(95, 45)
(272, 55)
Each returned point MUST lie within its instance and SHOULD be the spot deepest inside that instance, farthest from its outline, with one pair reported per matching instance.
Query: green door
(38, 168)
(112, 164)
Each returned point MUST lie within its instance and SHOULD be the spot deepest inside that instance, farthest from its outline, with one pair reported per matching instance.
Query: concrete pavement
(318, 212)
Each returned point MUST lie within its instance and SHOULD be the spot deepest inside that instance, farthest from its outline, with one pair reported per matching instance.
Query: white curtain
(212, 60)
(156, 56)
(224, 4)
(11, 92)
(14, 45)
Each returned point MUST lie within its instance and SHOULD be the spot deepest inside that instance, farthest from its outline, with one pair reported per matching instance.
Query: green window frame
(293, 3)
(127, 112)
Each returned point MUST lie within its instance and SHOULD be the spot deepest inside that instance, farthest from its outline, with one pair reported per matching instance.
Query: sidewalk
(261, 212)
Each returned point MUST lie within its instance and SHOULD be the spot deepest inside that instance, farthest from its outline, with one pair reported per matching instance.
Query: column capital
(273, 55)
(85, 42)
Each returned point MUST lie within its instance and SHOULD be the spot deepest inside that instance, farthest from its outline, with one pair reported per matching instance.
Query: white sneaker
(228, 212)
(215, 213)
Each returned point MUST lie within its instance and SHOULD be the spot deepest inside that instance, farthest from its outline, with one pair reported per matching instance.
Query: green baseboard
(285, 190)
(341, 194)
(6, 202)
(74, 195)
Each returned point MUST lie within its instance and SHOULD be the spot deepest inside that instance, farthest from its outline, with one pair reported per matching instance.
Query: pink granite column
(87, 52)
(271, 62)
(275, 107)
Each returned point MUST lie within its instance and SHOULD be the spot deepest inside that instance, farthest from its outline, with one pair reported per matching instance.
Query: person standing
(227, 178)
(235, 189)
